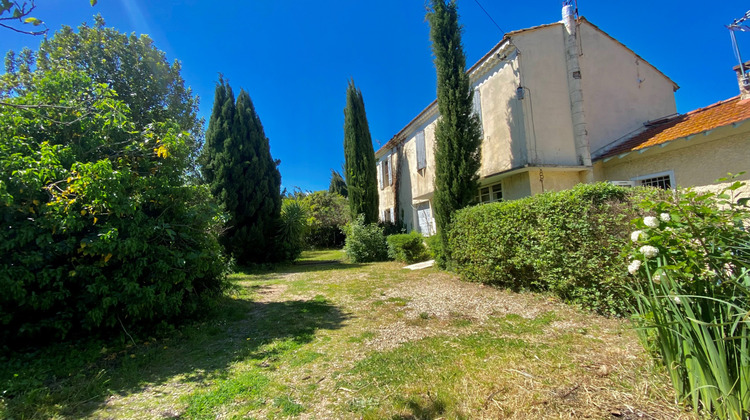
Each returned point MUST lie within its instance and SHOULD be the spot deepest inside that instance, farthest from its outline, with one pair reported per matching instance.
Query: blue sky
(295, 57)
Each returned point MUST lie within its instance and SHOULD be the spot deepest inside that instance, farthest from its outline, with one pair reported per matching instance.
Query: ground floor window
(388, 215)
(490, 193)
(663, 180)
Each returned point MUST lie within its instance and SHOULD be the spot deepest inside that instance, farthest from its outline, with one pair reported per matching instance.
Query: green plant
(434, 246)
(407, 247)
(328, 213)
(243, 177)
(101, 229)
(458, 133)
(567, 242)
(365, 242)
(359, 165)
(691, 261)
(292, 230)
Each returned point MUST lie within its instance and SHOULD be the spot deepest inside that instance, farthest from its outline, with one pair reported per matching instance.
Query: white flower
(638, 234)
(677, 300)
(649, 251)
(665, 217)
(651, 221)
(656, 278)
(634, 266)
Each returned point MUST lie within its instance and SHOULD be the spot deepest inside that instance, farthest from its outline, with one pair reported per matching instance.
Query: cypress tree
(359, 167)
(219, 129)
(458, 133)
(337, 184)
(243, 177)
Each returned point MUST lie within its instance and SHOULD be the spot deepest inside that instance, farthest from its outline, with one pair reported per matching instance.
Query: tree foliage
(458, 132)
(361, 178)
(328, 214)
(102, 229)
(130, 65)
(242, 175)
(294, 228)
(337, 184)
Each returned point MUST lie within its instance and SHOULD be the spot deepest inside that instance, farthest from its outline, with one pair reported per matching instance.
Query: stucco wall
(516, 186)
(695, 162)
(544, 75)
(554, 180)
(385, 195)
(504, 144)
(620, 90)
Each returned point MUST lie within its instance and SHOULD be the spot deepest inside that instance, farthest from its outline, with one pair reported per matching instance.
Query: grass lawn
(326, 339)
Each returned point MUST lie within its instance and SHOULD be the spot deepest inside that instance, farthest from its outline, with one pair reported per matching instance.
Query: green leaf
(34, 21)
(93, 2)
(5, 5)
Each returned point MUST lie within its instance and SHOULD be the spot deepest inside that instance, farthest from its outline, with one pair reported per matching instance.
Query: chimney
(743, 79)
(568, 17)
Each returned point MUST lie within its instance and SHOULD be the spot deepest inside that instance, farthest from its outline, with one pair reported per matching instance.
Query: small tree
(458, 132)
(242, 175)
(361, 178)
(328, 214)
(337, 185)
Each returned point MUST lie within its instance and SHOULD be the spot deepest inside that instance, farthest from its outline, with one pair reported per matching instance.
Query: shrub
(691, 261)
(365, 242)
(102, 232)
(392, 228)
(434, 246)
(407, 247)
(293, 229)
(567, 242)
(328, 213)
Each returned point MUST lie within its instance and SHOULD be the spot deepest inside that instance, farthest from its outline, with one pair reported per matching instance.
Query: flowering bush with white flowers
(690, 258)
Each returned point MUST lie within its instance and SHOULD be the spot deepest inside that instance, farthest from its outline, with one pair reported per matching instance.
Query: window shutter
(477, 108)
(380, 173)
(477, 105)
(421, 152)
(390, 169)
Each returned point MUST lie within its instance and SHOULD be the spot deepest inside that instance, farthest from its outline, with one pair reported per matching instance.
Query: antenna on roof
(737, 25)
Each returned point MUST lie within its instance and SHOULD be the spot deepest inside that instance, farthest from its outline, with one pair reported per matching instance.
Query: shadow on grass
(74, 380)
(431, 410)
(307, 266)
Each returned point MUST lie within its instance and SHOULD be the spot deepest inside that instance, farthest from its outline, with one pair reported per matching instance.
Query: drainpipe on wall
(572, 52)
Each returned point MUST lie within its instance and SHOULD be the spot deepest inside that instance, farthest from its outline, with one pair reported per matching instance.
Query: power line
(488, 15)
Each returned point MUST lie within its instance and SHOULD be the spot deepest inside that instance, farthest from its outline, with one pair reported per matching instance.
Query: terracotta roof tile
(694, 122)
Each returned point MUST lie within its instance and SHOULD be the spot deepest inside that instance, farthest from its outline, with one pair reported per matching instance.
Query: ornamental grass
(692, 296)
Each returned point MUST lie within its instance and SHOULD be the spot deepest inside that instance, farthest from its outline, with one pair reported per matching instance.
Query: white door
(424, 215)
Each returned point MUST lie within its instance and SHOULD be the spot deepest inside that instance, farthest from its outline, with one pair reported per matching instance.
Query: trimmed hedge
(567, 242)
(407, 247)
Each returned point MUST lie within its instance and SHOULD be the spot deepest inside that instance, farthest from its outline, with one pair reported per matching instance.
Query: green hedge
(407, 247)
(567, 242)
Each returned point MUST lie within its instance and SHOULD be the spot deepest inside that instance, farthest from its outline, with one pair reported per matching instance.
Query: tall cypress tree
(458, 133)
(359, 167)
(243, 176)
(219, 129)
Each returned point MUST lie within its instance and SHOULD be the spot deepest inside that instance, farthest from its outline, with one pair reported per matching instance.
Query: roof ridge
(714, 105)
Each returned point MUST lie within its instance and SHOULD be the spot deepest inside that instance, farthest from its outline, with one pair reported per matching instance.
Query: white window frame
(670, 173)
(490, 193)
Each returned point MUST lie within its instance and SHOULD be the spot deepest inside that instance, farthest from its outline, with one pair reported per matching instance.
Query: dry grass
(325, 340)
